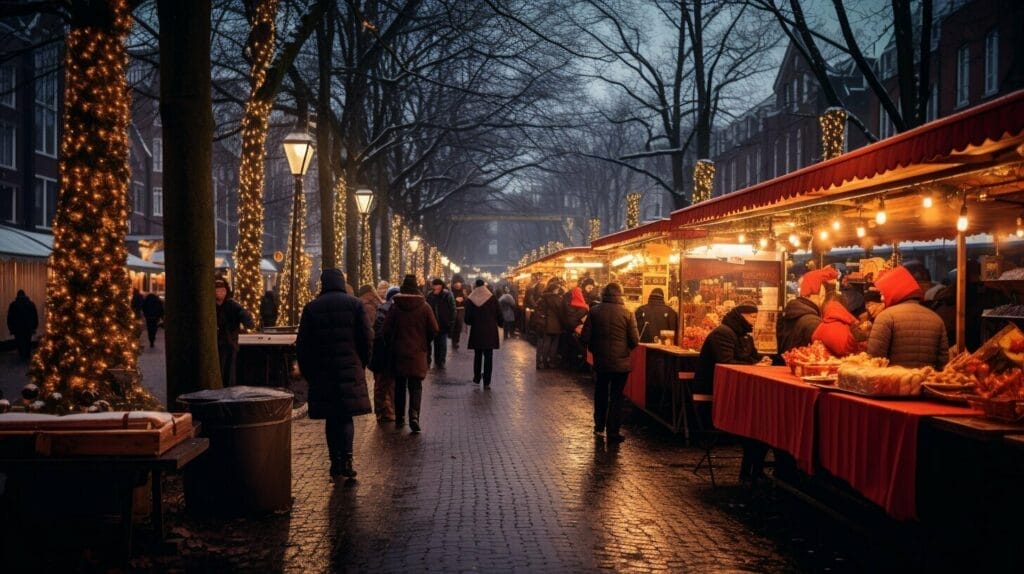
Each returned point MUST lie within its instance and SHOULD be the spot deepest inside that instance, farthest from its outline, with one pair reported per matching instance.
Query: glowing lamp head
(927, 201)
(742, 238)
(794, 240)
(298, 149)
(861, 231)
(880, 216)
(1020, 227)
(836, 225)
(961, 222)
(823, 235)
(364, 199)
(414, 244)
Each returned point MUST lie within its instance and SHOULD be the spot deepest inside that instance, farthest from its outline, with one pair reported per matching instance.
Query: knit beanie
(409, 285)
(612, 290)
(392, 291)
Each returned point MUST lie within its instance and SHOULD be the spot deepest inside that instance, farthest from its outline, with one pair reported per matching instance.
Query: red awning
(560, 254)
(650, 230)
(1000, 119)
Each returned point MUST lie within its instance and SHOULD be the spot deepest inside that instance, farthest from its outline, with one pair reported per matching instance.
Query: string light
(833, 132)
(595, 229)
(961, 221)
(880, 216)
(340, 209)
(365, 252)
(794, 240)
(861, 231)
(742, 237)
(823, 235)
(394, 249)
(703, 180)
(927, 201)
(303, 267)
(763, 242)
(836, 224)
(90, 326)
(1020, 226)
(632, 210)
(248, 284)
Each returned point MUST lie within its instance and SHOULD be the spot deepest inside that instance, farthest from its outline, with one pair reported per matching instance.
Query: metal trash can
(248, 469)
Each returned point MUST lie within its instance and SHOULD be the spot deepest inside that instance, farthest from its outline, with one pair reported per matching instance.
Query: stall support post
(961, 292)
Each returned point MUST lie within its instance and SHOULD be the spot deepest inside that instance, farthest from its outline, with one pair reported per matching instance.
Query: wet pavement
(512, 479)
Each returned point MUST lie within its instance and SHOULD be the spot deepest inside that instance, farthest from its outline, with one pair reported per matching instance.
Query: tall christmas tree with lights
(90, 326)
(249, 251)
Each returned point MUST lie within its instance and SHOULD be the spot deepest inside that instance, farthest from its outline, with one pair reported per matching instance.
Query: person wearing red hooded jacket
(836, 330)
(906, 332)
(576, 314)
(803, 315)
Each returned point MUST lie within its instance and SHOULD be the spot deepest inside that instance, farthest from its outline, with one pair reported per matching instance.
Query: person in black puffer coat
(550, 320)
(610, 334)
(333, 348)
(657, 316)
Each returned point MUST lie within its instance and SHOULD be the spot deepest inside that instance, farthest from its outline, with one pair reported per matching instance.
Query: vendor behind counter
(906, 332)
(655, 317)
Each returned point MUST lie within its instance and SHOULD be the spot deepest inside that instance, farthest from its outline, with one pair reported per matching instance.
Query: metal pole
(961, 292)
(293, 300)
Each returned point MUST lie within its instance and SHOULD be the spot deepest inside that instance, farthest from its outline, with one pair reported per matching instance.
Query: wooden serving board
(98, 442)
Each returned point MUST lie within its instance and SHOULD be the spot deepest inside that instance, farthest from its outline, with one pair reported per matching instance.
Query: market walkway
(511, 479)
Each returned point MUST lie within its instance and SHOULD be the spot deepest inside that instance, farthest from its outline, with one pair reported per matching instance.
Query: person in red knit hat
(803, 315)
(906, 332)
(836, 330)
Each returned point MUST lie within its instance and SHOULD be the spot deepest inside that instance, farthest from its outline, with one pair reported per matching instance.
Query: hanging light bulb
(880, 216)
(927, 201)
(1020, 226)
(836, 224)
(742, 237)
(861, 231)
(763, 242)
(794, 240)
(961, 222)
(823, 235)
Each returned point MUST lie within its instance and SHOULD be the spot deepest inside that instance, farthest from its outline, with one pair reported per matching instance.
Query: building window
(963, 72)
(746, 160)
(787, 168)
(885, 127)
(932, 110)
(758, 169)
(158, 201)
(799, 150)
(888, 64)
(492, 226)
(45, 204)
(8, 204)
(46, 101)
(492, 247)
(158, 155)
(775, 159)
(139, 197)
(8, 145)
(992, 62)
(807, 88)
(7, 86)
(796, 90)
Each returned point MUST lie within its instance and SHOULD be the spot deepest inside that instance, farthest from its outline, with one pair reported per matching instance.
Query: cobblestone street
(510, 479)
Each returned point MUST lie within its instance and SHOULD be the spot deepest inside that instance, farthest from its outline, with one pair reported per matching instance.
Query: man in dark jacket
(803, 315)
(610, 333)
(459, 294)
(655, 317)
(333, 348)
(483, 315)
(442, 303)
(153, 311)
(551, 318)
(230, 318)
(22, 322)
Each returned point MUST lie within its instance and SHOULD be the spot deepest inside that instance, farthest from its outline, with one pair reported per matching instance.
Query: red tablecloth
(872, 445)
(768, 404)
(636, 383)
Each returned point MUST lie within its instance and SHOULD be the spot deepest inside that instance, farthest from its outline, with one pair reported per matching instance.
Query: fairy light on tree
(339, 216)
(632, 210)
(395, 242)
(435, 263)
(595, 229)
(703, 180)
(90, 325)
(833, 132)
(249, 251)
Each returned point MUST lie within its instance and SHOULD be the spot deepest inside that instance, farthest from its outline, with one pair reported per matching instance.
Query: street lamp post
(364, 200)
(298, 148)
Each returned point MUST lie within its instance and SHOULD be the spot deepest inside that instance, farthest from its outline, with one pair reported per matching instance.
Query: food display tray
(867, 395)
(947, 393)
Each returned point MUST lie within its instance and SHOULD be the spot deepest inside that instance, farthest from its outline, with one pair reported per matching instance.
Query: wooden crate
(129, 440)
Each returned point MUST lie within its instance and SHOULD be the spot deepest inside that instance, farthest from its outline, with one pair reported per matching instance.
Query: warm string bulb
(703, 180)
(881, 216)
(632, 210)
(861, 231)
(763, 242)
(742, 238)
(836, 224)
(794, 240)
(927, 201)
(823, 235)
(1020, 226)
(961, 221)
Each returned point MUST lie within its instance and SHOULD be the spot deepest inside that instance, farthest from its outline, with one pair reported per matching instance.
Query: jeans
(440, 350)
(340, 436)
(608, 413)
(485, 356)
(510, 329)
(547, 349)
(415, 387)
(152, 325)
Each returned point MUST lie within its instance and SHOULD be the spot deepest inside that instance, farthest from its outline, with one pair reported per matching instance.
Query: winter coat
(153, 307)
(577, 310)
(552, 310)
(908, 333)
(610, 333)
(370, 303)
(408, 327)
(459, 294)
(230, 318)
(137, 301)
(268, 309)
(797, 324)
(443, 306)
(944, 305)
(727, 344)
(333, 347)
(508, 307)
(532, 296)
(22, 316)
(835, 330)
(483, 315)
(380, 358)
(658, 316)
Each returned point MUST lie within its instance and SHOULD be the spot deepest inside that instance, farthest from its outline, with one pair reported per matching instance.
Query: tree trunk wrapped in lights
(632, 210)
(339, 217)
(833, 132)
(703, 180)
(435, 264)
(303, 267)
(260, 46)
(595, 229)
(394, 253)
(365, 252)
(90, 325)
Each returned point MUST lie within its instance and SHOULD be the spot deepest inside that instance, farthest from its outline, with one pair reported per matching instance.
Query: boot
(346, 468)
(415, 398)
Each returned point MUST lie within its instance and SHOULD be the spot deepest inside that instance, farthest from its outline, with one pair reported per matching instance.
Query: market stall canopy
(975, 154)
(658, 229)
(20, 243)
(558, 258)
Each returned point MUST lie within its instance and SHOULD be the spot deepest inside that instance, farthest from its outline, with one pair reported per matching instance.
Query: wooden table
(978, 428)
(133, 468)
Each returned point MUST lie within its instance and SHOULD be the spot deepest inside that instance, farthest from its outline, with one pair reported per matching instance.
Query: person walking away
(380, 363)
(483, 315)
(268, 309)
(368, 296)
(459, 293)
(802, 315)
(230, 318)
(333, 348)
(153, 310)
(576, 314)
(410, 326)
(442, 303)
(906, 332)
(551, 320)
(22, 322)
(655, 317)
(508, 313)
(610, 333)
(530, 300)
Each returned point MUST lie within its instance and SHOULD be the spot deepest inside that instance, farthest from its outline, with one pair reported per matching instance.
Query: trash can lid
(239, 405)
(241, 394)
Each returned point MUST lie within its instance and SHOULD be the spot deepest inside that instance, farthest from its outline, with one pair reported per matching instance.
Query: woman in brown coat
(409, 327)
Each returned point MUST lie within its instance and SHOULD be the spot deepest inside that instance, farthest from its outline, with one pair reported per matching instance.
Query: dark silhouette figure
(22, 322)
